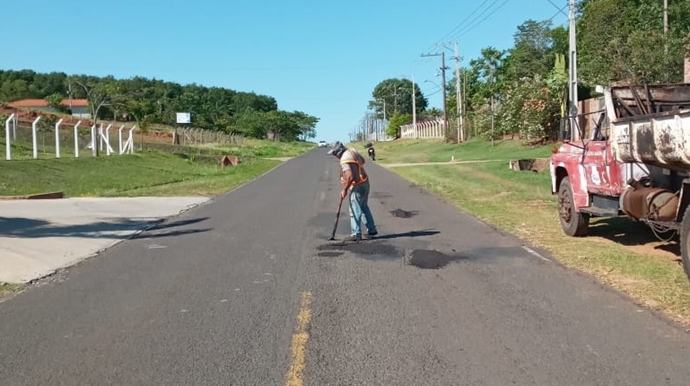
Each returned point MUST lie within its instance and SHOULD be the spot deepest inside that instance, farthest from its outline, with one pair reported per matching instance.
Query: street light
(432, 82)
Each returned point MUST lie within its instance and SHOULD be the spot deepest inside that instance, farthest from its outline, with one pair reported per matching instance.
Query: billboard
(184, 118)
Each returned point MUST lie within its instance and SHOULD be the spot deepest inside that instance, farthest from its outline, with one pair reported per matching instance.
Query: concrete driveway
(37, 237)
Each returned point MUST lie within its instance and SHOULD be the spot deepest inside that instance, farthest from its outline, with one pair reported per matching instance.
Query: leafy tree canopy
(149, 101)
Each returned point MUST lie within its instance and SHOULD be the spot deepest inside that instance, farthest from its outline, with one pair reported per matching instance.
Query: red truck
(635, 164)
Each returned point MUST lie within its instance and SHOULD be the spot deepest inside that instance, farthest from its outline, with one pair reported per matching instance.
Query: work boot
(370, 235)
(352, 238)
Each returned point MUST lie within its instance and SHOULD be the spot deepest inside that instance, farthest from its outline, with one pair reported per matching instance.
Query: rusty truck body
(635, 163)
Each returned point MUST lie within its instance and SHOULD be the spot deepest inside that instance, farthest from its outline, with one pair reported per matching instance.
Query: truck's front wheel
(574, 223)
(685, 242)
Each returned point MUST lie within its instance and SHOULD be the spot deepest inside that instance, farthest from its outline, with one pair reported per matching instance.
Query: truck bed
(651, 124)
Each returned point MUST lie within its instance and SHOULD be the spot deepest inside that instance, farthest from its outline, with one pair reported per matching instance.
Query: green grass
(271, 149)
(412, 151)
(160, 170)
(9, 288)
(619, 252)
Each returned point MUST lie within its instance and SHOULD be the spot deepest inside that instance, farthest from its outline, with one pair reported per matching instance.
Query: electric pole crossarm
(443, 78)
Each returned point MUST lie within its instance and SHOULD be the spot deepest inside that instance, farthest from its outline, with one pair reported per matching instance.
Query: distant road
(248, 291)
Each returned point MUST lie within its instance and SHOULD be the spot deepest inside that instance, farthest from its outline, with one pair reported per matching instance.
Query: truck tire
(574, 223)
(685, 242)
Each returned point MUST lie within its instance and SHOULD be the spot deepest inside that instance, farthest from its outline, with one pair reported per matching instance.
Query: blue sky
(320, 57)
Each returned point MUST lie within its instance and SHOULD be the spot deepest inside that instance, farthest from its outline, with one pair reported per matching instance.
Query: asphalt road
(249, 291)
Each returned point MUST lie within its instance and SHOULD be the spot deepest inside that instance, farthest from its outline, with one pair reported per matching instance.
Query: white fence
(98, 134)
(378, 137)
(426, 129)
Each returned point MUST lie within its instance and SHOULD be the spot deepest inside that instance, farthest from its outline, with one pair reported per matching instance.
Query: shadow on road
(34, 228)
(408, 234)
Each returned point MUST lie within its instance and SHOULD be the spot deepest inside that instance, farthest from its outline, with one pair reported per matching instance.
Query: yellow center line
(299, 342)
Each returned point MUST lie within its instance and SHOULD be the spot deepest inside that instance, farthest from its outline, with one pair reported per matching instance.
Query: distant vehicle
(371, 151)
(322, 144)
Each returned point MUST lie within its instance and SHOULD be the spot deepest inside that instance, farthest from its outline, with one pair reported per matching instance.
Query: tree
(623, 41)
(530, 56)
(149, 100)
(99, 92)
(54, 100)
(397, 120)
(397, 94)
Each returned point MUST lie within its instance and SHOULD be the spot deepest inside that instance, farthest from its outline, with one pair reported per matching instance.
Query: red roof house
(79, 107)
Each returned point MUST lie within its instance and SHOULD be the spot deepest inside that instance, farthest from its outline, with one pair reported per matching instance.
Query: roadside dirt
(636, 237)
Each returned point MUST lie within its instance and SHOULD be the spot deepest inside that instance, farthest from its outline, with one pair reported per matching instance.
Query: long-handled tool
(337, 217)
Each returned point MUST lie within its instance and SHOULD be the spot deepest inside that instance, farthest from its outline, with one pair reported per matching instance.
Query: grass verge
(618, 252)
(161, 171)
(418, 150)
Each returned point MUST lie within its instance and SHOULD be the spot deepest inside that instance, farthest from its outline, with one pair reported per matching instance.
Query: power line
(464, 26)
(443, 83)
(560, 10)
(482, 20)
(460, 25)
(463, 21)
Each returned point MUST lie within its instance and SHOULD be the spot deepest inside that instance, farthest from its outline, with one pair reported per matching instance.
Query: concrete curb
(38, 196)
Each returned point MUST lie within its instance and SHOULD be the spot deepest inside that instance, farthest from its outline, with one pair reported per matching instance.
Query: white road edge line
(533, 252)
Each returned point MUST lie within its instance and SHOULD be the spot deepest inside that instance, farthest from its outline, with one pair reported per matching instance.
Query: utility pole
(443, 77)
(414, 109)
(492, 106)
(574, 131)
(666, 35)
(458, 96)
(464, 94)
(665, 17)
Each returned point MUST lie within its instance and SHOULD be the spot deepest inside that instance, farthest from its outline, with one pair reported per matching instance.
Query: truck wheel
(685, 242)
(574, 223)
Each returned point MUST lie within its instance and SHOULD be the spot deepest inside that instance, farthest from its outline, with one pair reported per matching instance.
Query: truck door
(597, 161)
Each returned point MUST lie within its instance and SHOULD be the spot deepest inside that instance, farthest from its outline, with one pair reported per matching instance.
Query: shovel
(337, 217)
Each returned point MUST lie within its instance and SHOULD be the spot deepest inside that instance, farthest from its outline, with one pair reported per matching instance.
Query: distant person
(354, 179)
(372, 152)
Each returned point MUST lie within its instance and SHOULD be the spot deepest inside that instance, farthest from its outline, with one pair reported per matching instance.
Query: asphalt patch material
(431, 259)
(403, 213)
(361, 248)
(370, 250)
(329, 254)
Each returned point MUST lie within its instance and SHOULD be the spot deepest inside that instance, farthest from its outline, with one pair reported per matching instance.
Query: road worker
(355, 180)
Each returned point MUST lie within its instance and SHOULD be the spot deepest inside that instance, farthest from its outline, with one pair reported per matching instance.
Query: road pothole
(399, 213)
(431, 259)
